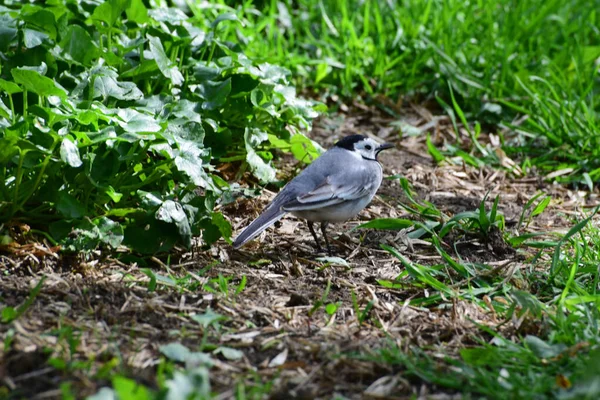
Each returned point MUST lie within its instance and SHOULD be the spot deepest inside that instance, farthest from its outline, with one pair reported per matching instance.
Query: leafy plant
(438, 224)
(113, 118)
(480, 221)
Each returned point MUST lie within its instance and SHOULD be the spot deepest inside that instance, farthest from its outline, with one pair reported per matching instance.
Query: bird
(335, 187)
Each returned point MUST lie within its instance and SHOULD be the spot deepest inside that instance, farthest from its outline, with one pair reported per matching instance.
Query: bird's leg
(324, 231)
(312, 230)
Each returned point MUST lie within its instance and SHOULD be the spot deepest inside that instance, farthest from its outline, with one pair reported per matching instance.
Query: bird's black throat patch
(349, 141)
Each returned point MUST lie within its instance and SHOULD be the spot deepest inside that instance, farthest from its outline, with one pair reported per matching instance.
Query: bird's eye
(368, 147)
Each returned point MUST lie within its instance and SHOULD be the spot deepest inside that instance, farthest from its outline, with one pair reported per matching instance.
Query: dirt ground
(102, 310)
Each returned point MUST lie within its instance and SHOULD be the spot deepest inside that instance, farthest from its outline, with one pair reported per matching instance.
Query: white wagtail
(334, 188)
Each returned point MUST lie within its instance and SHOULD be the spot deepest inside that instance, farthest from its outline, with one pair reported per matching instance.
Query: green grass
(502, 59)
(561, 304)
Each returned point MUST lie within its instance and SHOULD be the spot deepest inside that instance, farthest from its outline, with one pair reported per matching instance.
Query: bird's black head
(366, 147)
(349, 141)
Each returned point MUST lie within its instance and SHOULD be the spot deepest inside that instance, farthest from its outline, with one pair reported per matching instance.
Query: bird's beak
(384, 146)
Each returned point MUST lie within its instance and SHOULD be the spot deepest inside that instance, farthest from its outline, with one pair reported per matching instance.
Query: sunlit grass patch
(531, 61)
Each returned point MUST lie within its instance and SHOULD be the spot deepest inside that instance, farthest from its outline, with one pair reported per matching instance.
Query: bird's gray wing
(329, 193)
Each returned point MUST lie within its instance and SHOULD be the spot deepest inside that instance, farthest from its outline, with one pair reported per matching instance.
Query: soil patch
(96, 313)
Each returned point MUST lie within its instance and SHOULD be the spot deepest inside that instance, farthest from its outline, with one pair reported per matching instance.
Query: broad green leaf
(6, 239)
(173, 213)
(8, 31)
(210, 232)
(146, 70)
(137, 12)
(300, 106)
(304, 149)
(110, 11)
(129, 389)
(9, 87)
(175, 351)
(124, 212)
(36, 83)
(214, 93)
(187, 110)
(8, 149)
(69, 153)
(32, 38)
(206, 72)
(113, 194)
(242, 84)
(151, 237)
(272, 75)
(279, 143)
(230, 353)
(60, 229)
(169, 70)
(69, 206)
(208, 318)
(87, 117)
(156, 104)
(189, 162)
(150, 199)
(224, 226)
(78, 44)
(107, 86)
(188, 135)
(136, 122)
(85, 236)
(111, 232)
(262, 170)
(40, 18)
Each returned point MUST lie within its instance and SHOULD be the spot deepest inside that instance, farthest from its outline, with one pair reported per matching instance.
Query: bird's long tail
(265, 220)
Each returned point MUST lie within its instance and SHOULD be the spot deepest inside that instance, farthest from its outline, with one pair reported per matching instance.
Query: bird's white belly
(335, 213)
